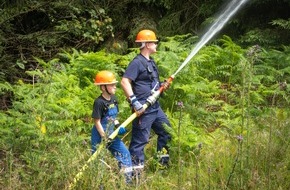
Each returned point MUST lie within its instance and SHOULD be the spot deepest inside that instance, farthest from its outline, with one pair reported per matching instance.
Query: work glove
(138, 107)
(165, 85)
(122, 131)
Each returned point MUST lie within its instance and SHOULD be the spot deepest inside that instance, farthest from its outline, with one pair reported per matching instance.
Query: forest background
(229, 107)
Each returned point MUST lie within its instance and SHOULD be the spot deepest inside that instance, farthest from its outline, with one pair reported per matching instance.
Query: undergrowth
(229, 110)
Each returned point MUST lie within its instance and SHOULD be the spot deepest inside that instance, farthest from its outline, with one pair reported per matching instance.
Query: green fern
(285, 24)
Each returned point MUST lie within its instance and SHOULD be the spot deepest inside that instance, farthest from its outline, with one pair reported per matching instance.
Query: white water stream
(226, 14)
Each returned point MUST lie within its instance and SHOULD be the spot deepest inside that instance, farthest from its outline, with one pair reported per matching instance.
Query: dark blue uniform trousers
(141, 133)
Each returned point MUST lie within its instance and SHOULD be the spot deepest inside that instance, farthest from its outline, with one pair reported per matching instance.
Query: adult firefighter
(104, 113)
(140, 77)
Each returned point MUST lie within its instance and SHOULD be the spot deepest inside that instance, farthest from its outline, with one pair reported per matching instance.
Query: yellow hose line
(80, 173)
(101, 146)
(112, 136)
(125, 123)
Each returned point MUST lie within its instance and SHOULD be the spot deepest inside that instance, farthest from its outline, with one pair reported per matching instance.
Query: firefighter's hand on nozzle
(165, 85)
(138, 107)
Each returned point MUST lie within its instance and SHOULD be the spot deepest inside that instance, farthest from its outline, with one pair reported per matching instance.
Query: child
(104, 113)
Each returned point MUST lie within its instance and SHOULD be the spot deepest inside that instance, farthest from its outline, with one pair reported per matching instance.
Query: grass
(210, 166)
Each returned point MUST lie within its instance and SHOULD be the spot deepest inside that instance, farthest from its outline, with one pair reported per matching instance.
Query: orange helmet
(105, 77)
(146, 36)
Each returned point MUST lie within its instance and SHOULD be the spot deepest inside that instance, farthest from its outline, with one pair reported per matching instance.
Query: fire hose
(149, 101)
(229, 11)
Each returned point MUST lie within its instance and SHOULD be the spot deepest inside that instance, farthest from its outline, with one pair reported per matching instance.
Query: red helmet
(146, 36)
(105, 77)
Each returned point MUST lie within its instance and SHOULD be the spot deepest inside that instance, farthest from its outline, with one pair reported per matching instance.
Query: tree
(41, 29)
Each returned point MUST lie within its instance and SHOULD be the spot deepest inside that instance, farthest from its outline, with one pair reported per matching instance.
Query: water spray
(229, 11)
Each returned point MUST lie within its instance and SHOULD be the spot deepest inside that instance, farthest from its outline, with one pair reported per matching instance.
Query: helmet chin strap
(107, 90)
